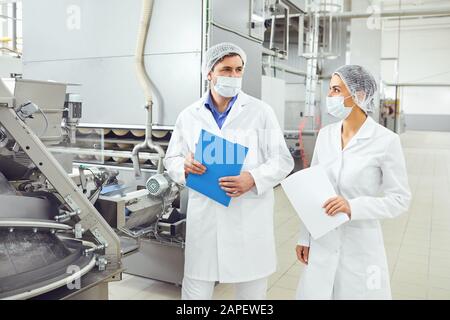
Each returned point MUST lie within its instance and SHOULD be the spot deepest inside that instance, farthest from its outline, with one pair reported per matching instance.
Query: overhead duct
(145, 82)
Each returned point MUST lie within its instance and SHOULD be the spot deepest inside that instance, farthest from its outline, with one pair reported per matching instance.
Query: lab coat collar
(237, 108)
(365, 132)
(242, 100)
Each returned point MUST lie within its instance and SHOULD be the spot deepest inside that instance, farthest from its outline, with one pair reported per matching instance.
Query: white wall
(423, 51)
(425, 100)
(9, 65)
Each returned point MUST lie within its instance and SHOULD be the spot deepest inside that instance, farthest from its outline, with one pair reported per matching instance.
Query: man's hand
(302, 253)
(238, 185)
(336, 205)
(193, 166)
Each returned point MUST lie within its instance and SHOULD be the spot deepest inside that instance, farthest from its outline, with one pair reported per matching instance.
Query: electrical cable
(46, 122)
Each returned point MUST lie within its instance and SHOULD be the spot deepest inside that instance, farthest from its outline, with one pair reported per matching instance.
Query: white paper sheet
(307, 190)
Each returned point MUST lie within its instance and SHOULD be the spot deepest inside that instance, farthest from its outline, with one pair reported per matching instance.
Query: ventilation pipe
(146, 84)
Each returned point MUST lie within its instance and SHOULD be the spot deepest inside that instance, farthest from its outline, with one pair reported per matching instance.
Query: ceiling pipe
(146, 84)
(443, 11)
(395, 13)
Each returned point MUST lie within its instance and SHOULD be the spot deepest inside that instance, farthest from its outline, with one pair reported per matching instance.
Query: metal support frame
(286, 16)
(206, 38)
(312, 57)
(89, 217)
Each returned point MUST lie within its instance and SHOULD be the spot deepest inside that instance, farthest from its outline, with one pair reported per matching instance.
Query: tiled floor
(417, 243)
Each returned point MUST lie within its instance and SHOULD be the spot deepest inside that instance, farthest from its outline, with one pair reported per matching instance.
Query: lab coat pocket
(365, 245)
(366, 253)
(199, 207)
(323, 250)
(200, 220)
(360, 239)
(194, 194)
(257, 217)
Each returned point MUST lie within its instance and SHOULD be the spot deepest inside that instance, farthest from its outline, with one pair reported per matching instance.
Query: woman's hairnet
(217, 52)
(360, 83)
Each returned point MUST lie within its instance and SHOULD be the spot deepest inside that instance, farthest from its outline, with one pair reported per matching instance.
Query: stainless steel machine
(68, 229)
(53, 242)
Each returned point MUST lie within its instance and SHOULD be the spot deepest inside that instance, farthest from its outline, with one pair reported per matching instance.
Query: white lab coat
(350, 261)
(236, 243)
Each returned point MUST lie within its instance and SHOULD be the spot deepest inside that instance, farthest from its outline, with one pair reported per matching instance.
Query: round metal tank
(35, 260)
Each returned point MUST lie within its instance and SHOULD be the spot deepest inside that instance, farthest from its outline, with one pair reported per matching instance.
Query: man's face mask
(228, 87)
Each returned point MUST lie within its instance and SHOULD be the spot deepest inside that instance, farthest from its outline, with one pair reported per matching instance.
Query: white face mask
(228, 87)
(336, 107)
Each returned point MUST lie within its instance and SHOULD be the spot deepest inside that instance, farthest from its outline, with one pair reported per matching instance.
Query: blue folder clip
(221, 158)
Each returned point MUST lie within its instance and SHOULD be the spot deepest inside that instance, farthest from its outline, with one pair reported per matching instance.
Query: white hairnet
(360, 83)
(217, 52)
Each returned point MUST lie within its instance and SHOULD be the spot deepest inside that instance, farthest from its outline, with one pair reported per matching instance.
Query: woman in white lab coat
(365, 163)
(232, 244)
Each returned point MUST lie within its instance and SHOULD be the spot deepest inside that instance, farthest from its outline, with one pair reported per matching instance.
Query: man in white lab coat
(232, 244)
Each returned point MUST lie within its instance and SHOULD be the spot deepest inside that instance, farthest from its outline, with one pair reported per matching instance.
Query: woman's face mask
(336, 107)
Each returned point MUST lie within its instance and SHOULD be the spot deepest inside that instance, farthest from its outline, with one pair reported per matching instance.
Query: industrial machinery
(65, 228)
(53, 242)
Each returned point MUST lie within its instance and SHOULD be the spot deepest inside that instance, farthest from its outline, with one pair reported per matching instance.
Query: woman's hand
(302, 253)
(337, 204)
(238, 185)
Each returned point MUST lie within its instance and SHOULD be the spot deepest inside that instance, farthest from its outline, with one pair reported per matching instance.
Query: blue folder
(221, 158)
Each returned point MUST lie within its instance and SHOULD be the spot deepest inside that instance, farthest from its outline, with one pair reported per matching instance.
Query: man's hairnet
(217, 52)
(361, 85)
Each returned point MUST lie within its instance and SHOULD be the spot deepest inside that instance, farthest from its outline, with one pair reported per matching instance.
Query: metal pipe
(243, 35)
(14, 26)
(443, 11)
(286, 68)
(99, 153)
(206, 33)
(301, 31)
(272, 53)
(293, 5)
(286, 32)
(148, 143)
(144, 80)
(412, 84)
(120, 126)
(396, 13)
(304, 132)
(272, 33)
(330, 35)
